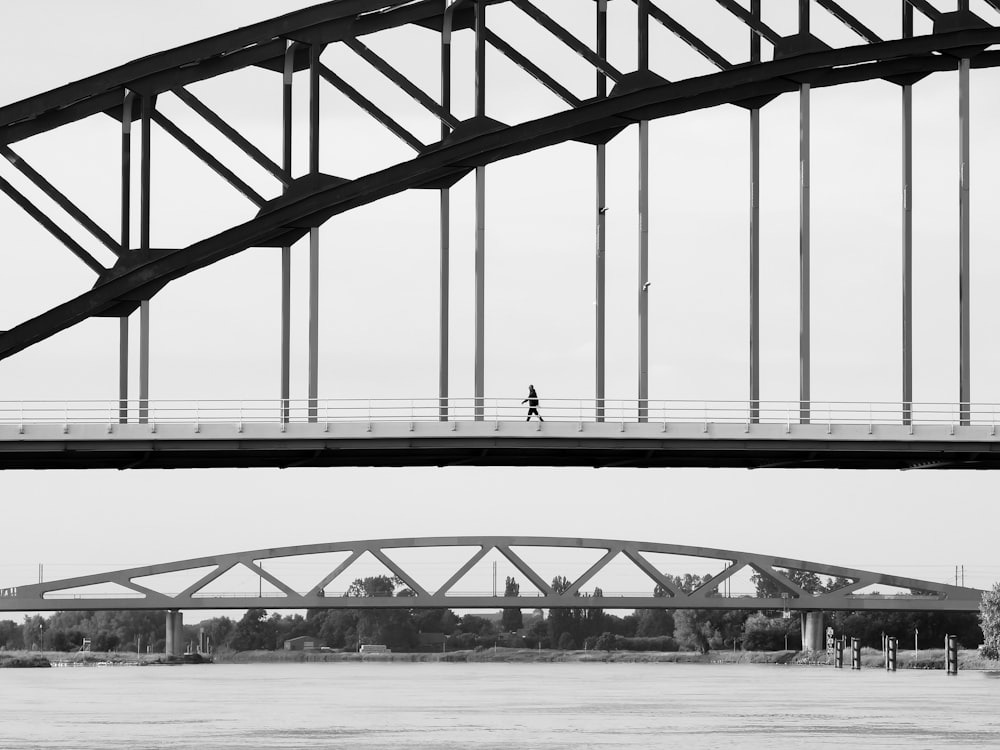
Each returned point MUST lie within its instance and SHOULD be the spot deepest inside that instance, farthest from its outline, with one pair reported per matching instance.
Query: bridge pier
(175, 633)
(813, 637)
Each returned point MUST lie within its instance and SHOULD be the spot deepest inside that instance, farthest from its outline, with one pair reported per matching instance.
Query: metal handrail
(203, 413)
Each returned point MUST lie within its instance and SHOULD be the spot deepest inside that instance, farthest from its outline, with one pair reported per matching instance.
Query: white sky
(215, 333)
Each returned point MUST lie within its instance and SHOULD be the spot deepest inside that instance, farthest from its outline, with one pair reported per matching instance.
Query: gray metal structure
(298, 205)
(925, 595)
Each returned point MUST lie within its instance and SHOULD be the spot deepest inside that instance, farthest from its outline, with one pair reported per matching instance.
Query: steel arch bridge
(136, 591)
(136, 430)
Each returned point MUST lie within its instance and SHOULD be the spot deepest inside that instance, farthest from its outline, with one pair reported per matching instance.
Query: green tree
(219, 630)
(566, 642)
(763, 633)
(511, 619)
(11, 636)
(804, 579)
(393, 628)
(562, 620)
(33, 632)
(254, 631)
(605, 642)
(592, 622)
(655, 622)
(989, 621)
(693, 629)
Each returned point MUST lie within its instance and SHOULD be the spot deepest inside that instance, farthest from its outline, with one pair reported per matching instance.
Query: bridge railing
(403, 410)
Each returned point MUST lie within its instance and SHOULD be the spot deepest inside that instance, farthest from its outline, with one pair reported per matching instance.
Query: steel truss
(924, 596)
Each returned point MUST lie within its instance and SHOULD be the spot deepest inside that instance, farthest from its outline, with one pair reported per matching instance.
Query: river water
(495, 705)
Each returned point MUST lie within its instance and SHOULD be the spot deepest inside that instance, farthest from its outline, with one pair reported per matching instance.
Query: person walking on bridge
(532, 402)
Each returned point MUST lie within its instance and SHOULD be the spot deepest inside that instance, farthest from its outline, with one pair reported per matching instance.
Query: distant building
(301, 643)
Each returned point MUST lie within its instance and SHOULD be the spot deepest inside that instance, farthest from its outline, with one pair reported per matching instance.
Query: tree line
(561, 628)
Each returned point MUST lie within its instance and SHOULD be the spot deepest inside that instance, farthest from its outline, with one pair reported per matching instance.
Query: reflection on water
(495, 706)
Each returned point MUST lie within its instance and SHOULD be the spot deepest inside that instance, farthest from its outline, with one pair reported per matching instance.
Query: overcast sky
(215, 333)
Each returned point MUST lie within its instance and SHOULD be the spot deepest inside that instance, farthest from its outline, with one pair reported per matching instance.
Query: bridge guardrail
(388, 410)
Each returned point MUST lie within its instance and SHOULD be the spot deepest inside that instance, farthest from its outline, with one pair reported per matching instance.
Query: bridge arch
(300, 203)
(781, 592)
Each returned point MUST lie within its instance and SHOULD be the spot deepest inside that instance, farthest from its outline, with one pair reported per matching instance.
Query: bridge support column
(126, 243)
(314, 125)
(643, 189)
(812, 631)
(804, 236)
(600, 179)
(175, 633)
(755, 234)
(480, 334)
(286, 251)
(907, 280)
(964, 367)
(145, 179)
(444, 261)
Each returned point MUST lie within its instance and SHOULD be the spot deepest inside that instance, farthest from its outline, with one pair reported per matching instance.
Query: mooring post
(951, 654)
(890, 653)
(838, 653)
(855, 653)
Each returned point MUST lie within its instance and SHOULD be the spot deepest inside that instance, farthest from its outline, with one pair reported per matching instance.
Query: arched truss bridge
(136, 589)
(298, 204)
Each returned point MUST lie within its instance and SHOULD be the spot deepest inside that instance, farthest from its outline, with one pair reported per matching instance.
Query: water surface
(508, 706)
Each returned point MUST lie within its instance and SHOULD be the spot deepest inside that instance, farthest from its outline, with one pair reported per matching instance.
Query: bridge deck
(497, 443)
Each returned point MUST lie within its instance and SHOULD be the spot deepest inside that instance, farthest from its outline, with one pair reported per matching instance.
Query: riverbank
(22, 659)
(870, 658)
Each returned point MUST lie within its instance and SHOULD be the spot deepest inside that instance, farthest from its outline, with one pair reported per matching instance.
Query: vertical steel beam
(444, 223)
(643, 34)
(755, 233)
(314, 122)
(643, 344)
(601, 210)
(965, 374)
(480, 217)
(144, 220)
(643, 270)
(286, 251)
(126, 211)
(907, 269)
(804, 235)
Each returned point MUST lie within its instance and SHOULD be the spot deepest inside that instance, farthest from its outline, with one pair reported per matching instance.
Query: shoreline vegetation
(870, 658)
(43, 659)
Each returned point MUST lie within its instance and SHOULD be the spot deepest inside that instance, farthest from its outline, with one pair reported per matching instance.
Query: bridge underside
(387, 453)
(813, 446)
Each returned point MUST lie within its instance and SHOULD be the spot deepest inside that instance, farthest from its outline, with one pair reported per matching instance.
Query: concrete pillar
(813, 637)
(169, 649)
(175, 633)
(178, 633)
